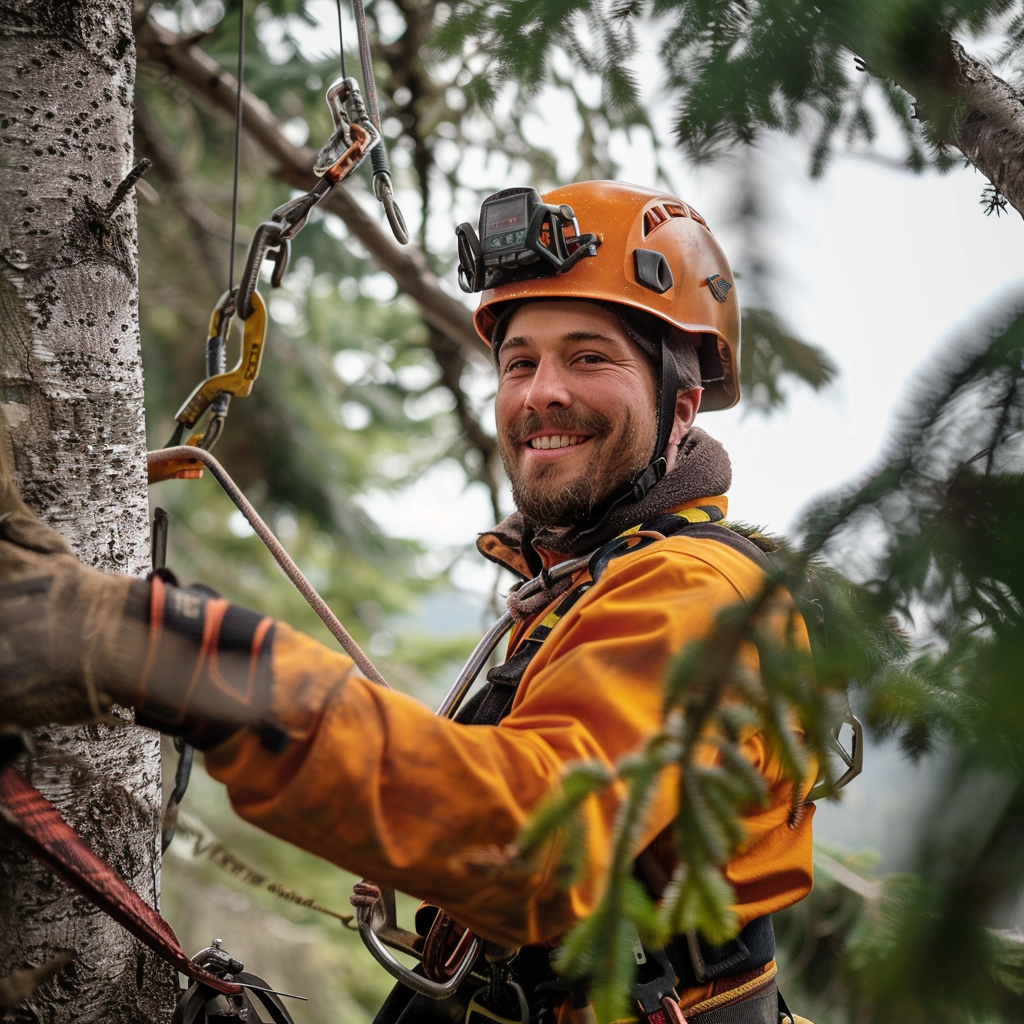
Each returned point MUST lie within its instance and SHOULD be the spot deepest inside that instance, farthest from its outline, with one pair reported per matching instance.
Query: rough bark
(71, 388)
(406, 264)
(991, 134)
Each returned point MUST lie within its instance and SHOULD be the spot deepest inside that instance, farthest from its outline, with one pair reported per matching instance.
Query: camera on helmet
(520, 237)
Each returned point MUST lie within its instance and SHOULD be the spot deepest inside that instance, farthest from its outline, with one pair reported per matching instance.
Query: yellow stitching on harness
(734, 994)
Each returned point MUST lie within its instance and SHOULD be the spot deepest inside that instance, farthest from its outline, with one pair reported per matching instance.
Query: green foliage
(771, 356)
(737, 69)
(602, 947)
(929, 637)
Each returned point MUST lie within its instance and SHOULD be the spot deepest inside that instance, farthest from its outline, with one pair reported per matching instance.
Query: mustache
(565, 421)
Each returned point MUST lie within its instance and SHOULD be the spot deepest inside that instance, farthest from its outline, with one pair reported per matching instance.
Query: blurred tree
(739, 69)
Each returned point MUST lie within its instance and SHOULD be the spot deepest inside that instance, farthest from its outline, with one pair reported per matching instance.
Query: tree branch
(991, 135)
(407, 265)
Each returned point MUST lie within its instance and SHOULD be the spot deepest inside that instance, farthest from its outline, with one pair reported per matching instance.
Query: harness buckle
(502, 1000)
(657, 996)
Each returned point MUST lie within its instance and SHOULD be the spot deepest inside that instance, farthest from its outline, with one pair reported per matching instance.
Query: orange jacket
(377, 784)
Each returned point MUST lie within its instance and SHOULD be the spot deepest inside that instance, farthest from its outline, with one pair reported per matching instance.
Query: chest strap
(494, 701)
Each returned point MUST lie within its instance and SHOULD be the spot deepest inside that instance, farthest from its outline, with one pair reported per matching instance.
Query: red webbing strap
(27, 816)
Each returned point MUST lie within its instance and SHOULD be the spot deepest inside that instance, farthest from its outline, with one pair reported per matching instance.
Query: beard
(547, 494)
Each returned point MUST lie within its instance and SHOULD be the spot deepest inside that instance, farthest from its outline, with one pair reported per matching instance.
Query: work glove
(74, 641)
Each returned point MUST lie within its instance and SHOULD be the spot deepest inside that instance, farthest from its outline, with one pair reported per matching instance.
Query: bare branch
(407, 265)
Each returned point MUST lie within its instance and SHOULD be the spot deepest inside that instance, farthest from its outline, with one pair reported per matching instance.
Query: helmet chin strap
(668, 389)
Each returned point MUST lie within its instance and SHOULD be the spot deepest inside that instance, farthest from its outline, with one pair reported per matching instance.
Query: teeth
(558, 441)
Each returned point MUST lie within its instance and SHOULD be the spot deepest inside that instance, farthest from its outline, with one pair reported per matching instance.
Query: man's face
(575, 409)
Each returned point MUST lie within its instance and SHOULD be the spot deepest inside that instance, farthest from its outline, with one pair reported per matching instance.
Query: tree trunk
(71, 388)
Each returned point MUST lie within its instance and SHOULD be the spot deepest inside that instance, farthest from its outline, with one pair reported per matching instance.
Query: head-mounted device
(520, 238)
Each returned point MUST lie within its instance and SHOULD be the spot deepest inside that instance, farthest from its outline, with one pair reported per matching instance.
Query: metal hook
(385, 192)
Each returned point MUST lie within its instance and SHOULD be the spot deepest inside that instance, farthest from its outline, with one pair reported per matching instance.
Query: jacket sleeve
(375, 783)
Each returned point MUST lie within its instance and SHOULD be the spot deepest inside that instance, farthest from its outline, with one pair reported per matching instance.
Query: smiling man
(612, 317)
(576, 408)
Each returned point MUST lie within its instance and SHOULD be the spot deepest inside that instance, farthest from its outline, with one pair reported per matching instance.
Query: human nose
(548, 387)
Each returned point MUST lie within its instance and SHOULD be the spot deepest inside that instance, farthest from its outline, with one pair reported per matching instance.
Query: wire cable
(341, 40)
(238, 139)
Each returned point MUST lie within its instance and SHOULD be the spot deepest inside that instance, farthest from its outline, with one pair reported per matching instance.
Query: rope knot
(521, 608)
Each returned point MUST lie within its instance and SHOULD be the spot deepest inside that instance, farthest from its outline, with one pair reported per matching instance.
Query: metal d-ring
(417, 982)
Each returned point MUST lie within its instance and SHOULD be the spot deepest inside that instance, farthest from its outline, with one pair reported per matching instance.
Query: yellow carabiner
(237, 381)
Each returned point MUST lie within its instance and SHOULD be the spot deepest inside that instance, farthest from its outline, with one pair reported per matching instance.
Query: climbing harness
(688, 958)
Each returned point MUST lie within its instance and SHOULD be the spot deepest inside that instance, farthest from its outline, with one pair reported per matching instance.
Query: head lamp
(520, 238)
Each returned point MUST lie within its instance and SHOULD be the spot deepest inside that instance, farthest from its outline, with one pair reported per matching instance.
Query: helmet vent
(661, 213)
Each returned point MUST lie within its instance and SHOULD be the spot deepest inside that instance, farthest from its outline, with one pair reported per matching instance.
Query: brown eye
(518, 364)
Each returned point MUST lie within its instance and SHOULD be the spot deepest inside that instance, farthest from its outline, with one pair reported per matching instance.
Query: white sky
(881, 268)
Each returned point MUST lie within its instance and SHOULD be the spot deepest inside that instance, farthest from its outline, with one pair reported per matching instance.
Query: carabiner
(269, 235)
(215, 393)
(378, 930)
(364, 138)
(238, 381)
(348, 110)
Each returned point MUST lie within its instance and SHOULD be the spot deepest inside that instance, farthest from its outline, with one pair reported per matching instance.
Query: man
(606, 344)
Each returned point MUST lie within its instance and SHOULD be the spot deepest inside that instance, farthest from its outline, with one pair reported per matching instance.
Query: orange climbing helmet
(609, 242)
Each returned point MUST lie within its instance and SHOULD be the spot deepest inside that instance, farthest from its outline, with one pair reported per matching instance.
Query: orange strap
(28, 817)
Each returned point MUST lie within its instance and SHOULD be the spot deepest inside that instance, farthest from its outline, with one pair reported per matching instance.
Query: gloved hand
(73, 641)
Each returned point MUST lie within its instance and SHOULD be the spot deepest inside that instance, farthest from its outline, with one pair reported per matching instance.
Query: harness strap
(763, 1008)
(693, 960)
(27, 816)
(697, 961)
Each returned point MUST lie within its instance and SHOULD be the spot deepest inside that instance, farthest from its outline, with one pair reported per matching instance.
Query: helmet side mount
(652, 270)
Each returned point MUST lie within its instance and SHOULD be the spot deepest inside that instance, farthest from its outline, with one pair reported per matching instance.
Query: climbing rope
(190, 455)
